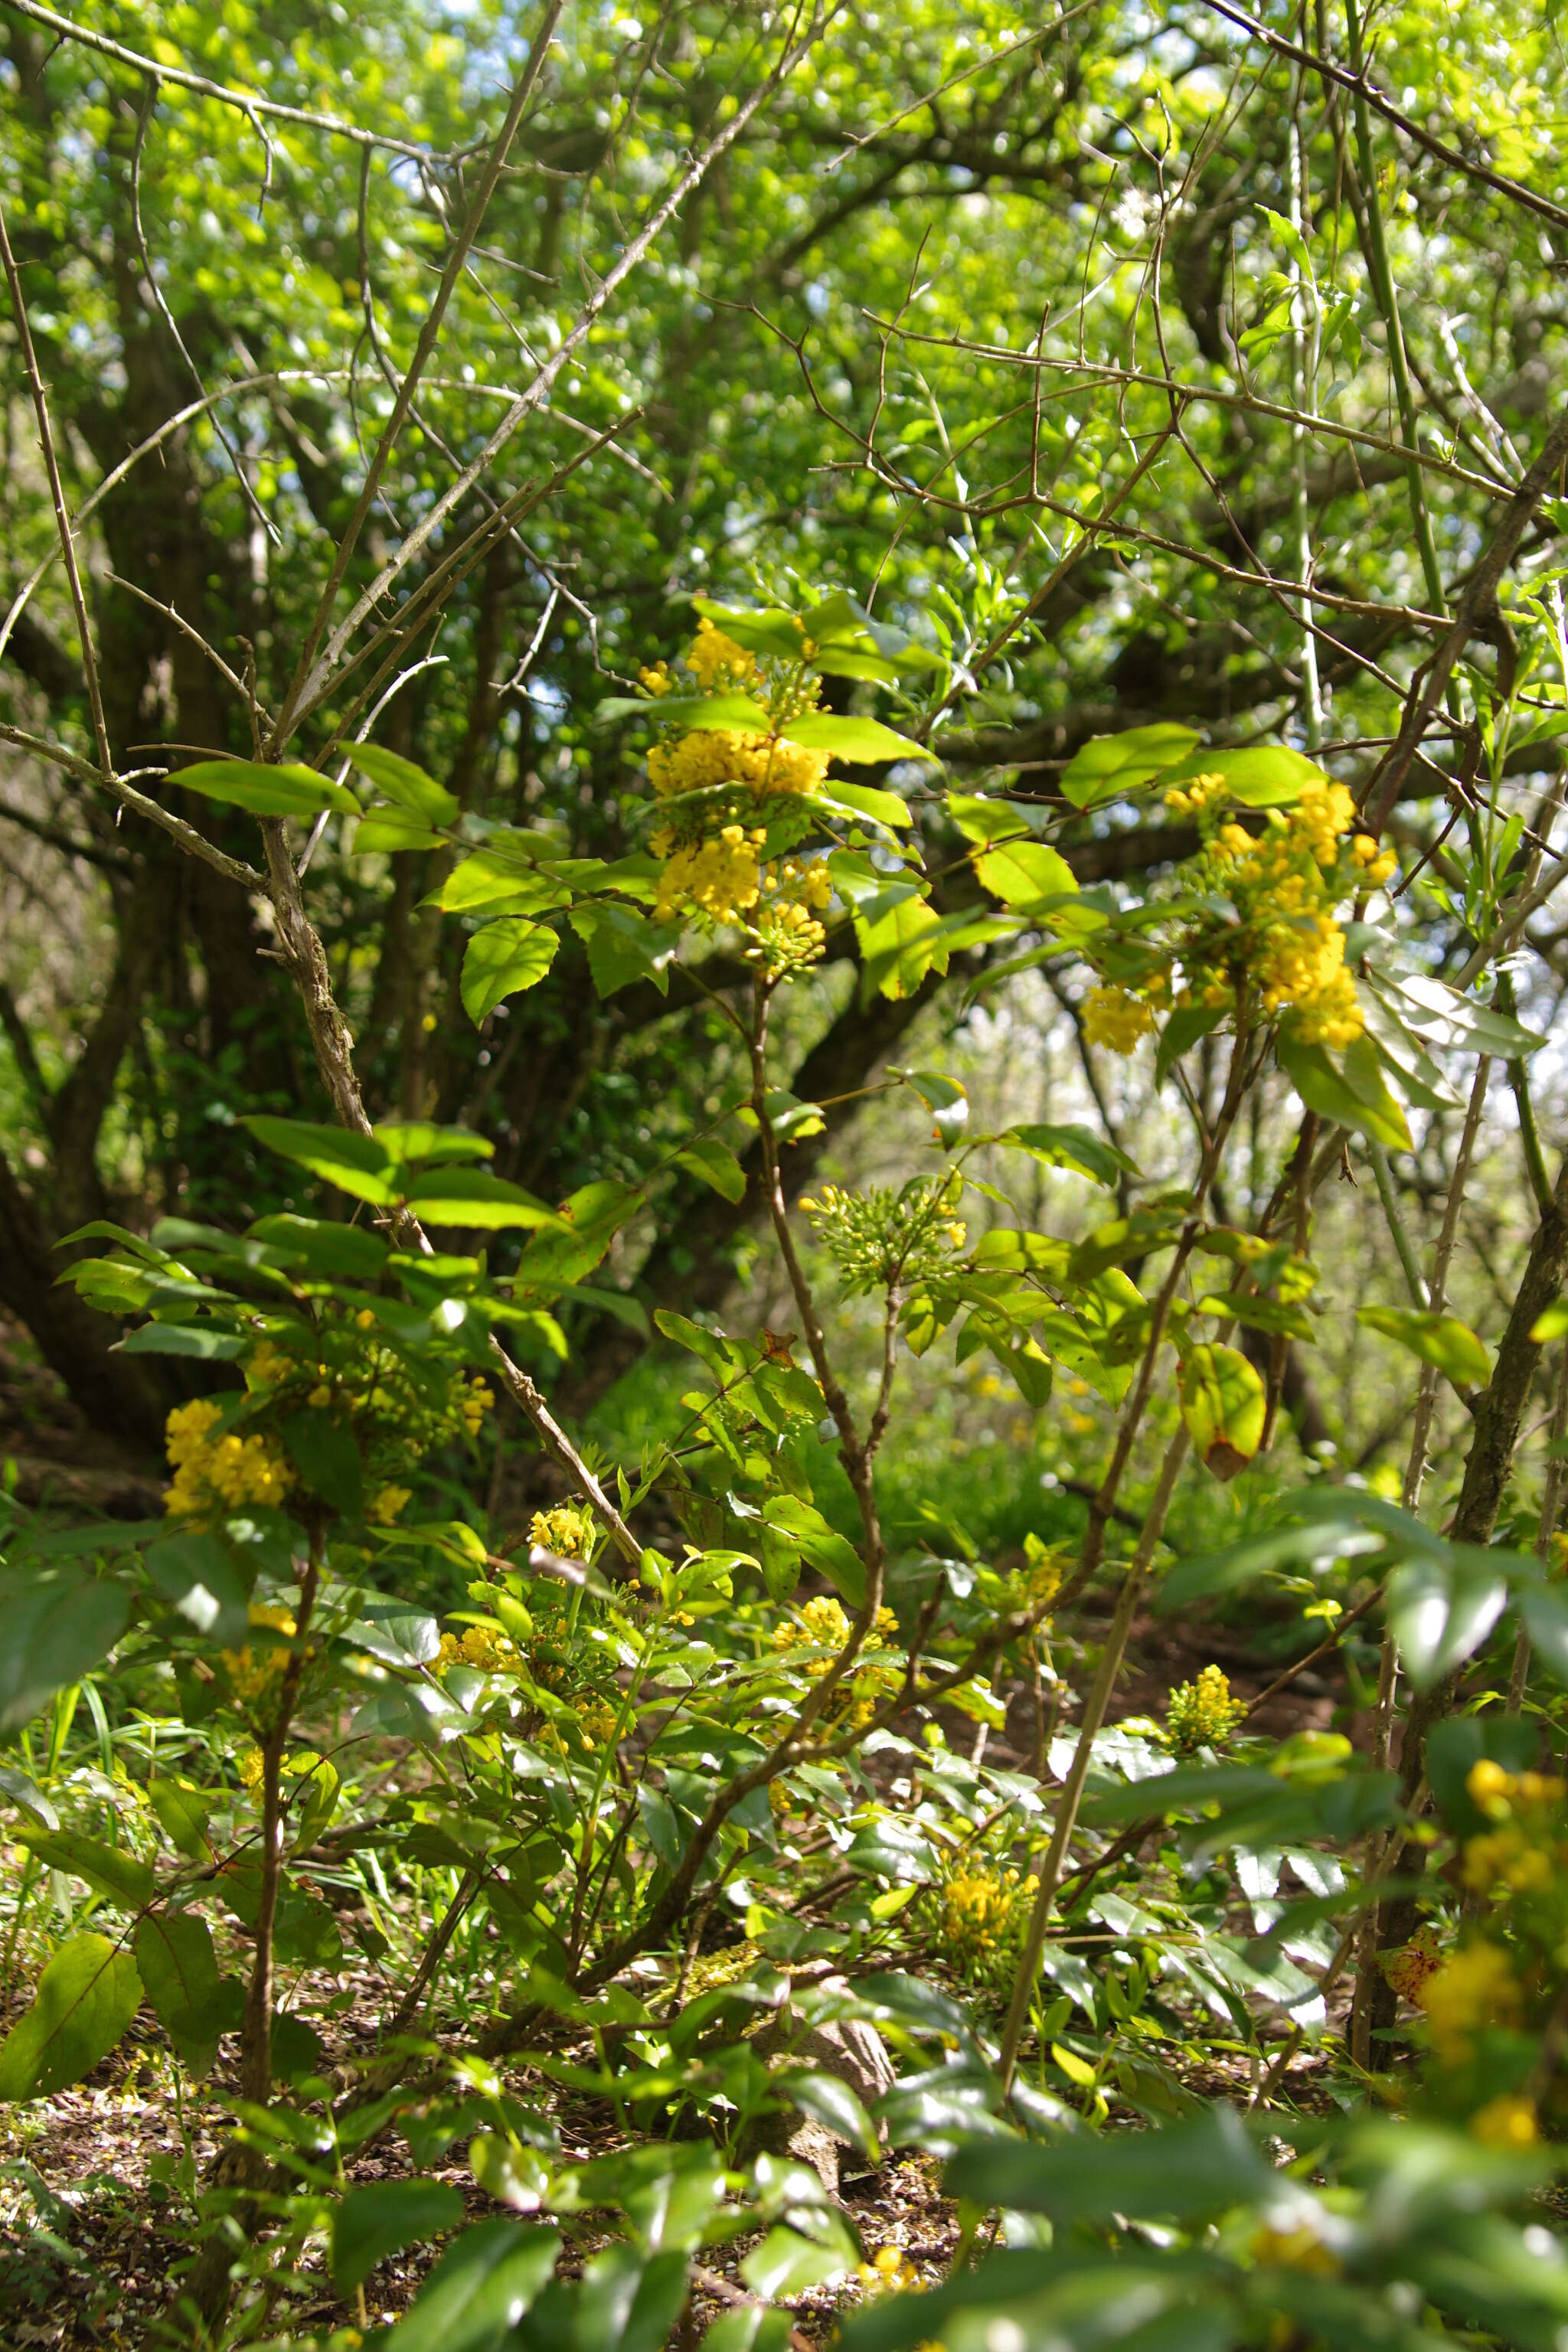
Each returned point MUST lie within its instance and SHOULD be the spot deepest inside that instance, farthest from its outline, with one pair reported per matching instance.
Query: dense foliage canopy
(782, 1241)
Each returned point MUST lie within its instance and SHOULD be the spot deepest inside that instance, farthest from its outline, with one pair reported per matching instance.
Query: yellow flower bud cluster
(1378, 864)
(253, 1673)
(1037, 1583)
(477, 1399)
(878, 1236)
(1476, 1987)
(789, 939)
(1298, 2248)
(385, 1506)
(1526, 1851)
(217, 1470)
(1202, 1713)
(252, 1768)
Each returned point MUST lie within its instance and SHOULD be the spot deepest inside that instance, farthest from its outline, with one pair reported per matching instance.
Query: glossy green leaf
(716, 1164)
(858, 741)
(503, 959)
(787, 2263)
(178, 1966)
(390, 836)
(1263, 776)
(58, 1625)
(625, 946)
(356, 1165)
(198, 1573)
(984, 821)
(323, 1453)
(87, 1996)
(479, 2291)
(107, 1869)
(1107, 767)
(473, 1198)
(1182, 2172)
(379, 2220)
(1079, 1148)
(1224, 1405)
(265, 790)
(1440, 1610)
(1440, 1340)
(406, 787)
(1361, 1102)
(1028, 876)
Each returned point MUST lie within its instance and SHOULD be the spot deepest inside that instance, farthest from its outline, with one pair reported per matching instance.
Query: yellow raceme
(1286, 943)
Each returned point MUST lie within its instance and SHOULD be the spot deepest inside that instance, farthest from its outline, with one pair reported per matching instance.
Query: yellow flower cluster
(716, 661)
(269, 1367)
(1525, 1851)
(979, 1909)
(762, 765)
(483, 1646)
(1114, 1018)
(252, 1768)
(253, 1673)
(385, 1506)
(1203, 1714)
(1282, 941)
(719, 879)
(1283, 884)
(1195, 799)
(596, 1720)
(821, 1622)
(568, 1531)
(217, 1473)
(889, 2272)
(1475, 1987)
(476, 1400)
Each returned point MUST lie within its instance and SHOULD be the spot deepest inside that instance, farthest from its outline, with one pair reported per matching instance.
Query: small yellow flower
(386, 1507)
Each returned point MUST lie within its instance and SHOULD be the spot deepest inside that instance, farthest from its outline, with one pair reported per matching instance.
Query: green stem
(1414, 1279)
